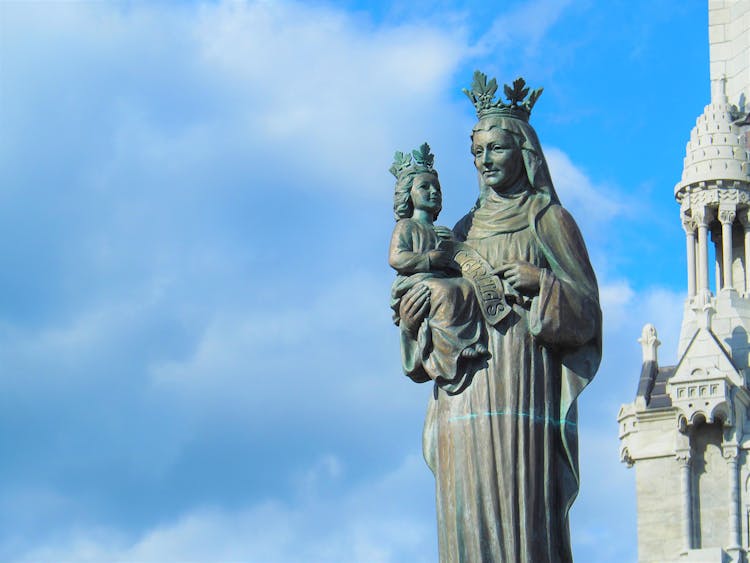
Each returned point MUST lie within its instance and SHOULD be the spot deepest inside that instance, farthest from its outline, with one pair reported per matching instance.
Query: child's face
(425, 192)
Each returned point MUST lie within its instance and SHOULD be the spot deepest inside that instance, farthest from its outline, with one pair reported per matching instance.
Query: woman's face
(497, 158)
(425, 192)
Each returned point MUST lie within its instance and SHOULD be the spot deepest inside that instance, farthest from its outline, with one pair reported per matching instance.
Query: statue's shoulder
(461, 230)
(404, 225)
(550, 213)
(406, 229)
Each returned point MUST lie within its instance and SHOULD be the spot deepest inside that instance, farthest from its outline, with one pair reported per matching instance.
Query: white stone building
(687, 434)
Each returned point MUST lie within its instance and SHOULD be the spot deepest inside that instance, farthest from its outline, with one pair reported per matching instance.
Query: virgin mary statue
(504, 450)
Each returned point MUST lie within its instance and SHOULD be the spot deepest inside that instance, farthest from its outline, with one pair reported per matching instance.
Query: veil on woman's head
(533, 157)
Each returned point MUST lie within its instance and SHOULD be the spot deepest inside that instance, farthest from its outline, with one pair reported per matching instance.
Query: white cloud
(320, 90)
(311, 96)
(388, 519)
(526, 25)
(616, 300)
(603, 519)
(626, 311)
(175, 129)
(590, 202)
(294, 340)
(607, 485)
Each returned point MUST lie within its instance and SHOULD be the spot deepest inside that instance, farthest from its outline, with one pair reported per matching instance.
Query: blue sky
(197, 356)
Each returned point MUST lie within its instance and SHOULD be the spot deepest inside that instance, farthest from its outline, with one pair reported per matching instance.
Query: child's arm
(406, 261)
(402, 256)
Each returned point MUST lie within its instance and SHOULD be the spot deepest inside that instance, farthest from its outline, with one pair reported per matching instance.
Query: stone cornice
(714, 193)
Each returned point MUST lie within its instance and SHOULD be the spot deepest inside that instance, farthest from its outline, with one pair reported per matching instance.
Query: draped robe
(453, 323)
(504, 450)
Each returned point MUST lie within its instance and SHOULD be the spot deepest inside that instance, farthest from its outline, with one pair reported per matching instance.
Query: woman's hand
(522, 276)
(415, 305)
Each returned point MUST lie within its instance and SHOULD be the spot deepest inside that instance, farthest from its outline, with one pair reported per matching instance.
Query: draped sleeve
(566, 315)
(409, 247)
(566, 311)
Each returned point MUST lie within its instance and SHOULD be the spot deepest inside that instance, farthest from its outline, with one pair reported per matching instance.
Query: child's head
(420, 190)
(417, 184)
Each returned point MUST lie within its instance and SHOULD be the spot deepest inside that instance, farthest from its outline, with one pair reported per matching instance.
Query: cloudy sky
(197, 361)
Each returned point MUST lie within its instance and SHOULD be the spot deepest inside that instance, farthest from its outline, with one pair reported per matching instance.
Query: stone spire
(688, 429)
(714, 198)
(716, 152)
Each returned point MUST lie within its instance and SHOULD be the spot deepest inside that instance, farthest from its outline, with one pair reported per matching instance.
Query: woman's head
(505, 150)
(498, 159)
(417, 186)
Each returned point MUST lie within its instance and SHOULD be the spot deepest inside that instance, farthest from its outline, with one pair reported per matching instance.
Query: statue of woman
(504, 449)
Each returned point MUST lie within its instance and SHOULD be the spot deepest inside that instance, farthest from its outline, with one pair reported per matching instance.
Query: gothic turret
(687, 432)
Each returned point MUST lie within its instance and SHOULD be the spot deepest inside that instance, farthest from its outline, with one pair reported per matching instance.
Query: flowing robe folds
(504, 450)
(453, 323)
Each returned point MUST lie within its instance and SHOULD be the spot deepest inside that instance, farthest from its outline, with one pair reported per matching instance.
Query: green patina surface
(519, 414)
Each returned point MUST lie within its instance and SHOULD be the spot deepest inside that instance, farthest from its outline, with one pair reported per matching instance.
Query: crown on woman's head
(482, 95)
(403, 164)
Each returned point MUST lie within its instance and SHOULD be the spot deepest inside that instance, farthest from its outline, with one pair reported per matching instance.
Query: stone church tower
(687, 434)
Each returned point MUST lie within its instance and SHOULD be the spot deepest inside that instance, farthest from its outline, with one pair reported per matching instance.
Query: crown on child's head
(403, 163)
(483, 92)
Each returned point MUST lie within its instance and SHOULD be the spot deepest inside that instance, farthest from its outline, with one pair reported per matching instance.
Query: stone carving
(727, 215)
(702, 196)
(730, 452)
(626, 458)
(683, 458)
(689, 224)
(500, 433)
(703, 216)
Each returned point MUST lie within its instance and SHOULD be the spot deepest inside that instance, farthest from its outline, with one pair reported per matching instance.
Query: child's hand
(443, 233)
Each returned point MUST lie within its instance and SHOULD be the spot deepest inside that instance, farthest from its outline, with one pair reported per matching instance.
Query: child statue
(443, 346)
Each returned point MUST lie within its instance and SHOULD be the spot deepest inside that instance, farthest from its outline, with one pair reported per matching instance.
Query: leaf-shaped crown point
(470, 95)
(401, 161)
(479, 83)
(533, 98)
(519, 83)
(403, 164)
(480, 87)
(516, 94)
(491, 88)
(482, 95)
(423, 156)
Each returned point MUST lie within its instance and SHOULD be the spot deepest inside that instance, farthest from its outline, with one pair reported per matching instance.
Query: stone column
(745, 220)
(731, 454)
(683, 458)
(689, 225)
(702, 219)
(726, 216)
(715, 238)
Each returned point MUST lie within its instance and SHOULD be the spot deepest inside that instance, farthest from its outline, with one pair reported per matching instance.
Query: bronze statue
(500, 434)
(451, 334)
